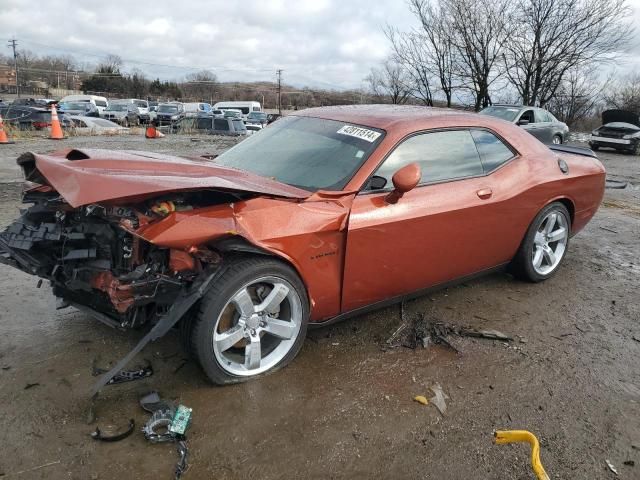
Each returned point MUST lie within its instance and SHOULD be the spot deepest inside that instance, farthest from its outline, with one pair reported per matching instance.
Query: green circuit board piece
(180, 420)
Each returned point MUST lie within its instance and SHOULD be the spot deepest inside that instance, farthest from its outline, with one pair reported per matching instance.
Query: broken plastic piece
(439, 399)
(152, 402)
(511, 436)
(156, 430)
(611, 467)
(97, 434)
(126, 375)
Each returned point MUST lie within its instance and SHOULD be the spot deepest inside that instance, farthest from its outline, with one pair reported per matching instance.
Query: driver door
(443, 229)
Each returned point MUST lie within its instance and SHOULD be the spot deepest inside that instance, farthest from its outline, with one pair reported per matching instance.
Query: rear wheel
(252, 321)
(557, 140)
(544, 245)
(125, 122)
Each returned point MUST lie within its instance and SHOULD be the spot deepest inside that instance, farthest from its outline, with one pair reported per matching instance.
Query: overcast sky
(320, 43)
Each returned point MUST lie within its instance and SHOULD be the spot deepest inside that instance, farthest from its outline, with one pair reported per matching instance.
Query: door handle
(484, 193)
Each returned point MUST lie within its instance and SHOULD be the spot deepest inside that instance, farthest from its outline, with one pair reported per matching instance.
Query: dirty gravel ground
(344, 408)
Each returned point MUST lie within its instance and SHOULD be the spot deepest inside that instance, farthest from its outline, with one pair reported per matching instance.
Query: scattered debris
(167, 424)
(425, 332)
(182, 464)
(180, 365)
(125, 375)
(608, 229)
(439, 399)
(421, 399)
(98, 435)
(31, 385)
(611, 467)
(636, 338)
(629, 463)
(20, 472)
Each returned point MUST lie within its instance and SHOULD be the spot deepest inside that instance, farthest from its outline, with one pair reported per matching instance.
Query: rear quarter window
(220, 124)
(493, 151)
(101, 103)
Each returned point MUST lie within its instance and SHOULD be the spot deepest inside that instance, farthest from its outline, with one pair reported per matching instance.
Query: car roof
(392, 116)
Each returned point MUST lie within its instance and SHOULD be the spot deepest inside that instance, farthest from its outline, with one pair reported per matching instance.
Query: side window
(542, 116)
(528, 115)
(220, 124)
(493, 152)
(446, 155)
(203, 123)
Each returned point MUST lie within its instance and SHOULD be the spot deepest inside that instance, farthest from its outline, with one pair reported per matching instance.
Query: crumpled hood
(624, 116)
(90, 176)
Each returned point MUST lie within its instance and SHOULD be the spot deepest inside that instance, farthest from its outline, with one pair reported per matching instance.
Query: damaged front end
(93, 262)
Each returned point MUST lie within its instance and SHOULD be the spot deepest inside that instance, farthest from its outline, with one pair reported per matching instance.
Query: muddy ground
(343, 408)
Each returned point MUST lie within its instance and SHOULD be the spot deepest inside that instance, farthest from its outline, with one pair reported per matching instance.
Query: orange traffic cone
(4, 140)
(153, 132)
(56, 128)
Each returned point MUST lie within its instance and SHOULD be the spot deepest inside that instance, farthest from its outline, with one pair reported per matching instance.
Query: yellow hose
(511, 436)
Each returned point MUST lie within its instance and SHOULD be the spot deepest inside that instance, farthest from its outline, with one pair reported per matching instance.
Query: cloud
(325, 43)
(321, 43)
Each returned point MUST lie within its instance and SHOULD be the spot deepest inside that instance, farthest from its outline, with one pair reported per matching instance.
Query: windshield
(309, 153)
(74, 106)
(168, 109)
(505, 113)
(257, 116)
(118, 107)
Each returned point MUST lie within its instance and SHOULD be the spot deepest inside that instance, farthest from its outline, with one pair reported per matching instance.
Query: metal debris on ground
(99, 435)
(615, 184)
(182, 464)
(629, 463)
(611, 467)
(421, 399)
(125, 375)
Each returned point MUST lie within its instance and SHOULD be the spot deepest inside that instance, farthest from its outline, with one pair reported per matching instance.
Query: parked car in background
(169, 113)
(101, 103)
(245, 107)
(153, 111)
(195, 109)
(272, 117)
(122, 112)
(26, 117)
(256, 118)
(217, 113)
(537, 121)
(32, 102)
(326, 214)
(212, 125)
(96, 126)
(86, 109)
(232, 113)
(620, 130)
(142, 108)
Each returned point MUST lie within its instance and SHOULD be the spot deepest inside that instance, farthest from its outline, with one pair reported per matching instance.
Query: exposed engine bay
(94, 260)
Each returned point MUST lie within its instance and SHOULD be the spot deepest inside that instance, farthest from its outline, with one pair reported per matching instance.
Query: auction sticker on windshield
(359, 132)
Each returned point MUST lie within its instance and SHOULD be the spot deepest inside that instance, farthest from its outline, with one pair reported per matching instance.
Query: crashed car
(620, 130)
(327, 213)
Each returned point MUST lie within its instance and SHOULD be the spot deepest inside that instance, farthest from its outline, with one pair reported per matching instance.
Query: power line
(13, 43)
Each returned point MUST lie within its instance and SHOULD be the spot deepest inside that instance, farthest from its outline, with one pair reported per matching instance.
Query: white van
(100, 102)
(197, 108)
(244, 107)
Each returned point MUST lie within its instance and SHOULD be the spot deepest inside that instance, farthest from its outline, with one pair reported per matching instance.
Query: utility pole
(279, 74)
(13, 43)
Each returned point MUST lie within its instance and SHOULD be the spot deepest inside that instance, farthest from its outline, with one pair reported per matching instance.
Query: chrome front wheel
(252, 320)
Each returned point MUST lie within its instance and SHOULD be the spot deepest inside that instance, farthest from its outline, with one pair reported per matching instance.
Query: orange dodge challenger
(322, 215)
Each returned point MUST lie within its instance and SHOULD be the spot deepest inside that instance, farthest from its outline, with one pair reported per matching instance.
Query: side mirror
(523, 122)
(404, 180)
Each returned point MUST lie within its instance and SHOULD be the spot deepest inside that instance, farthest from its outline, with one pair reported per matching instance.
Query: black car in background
(169, 113)
(537, 121)
(25, 117)
(620, 130)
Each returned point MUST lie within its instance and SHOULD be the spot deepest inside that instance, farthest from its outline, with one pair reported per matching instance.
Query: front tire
(251, 322)
(545, 244)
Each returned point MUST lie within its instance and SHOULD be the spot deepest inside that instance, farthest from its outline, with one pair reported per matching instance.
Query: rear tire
(252, 321)
(545, 244)
(556, 140)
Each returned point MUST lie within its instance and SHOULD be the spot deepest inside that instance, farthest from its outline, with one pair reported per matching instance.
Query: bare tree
(410, 52)
(390, 81)
(625, 95)
(556, 37)
(200, 85)
(578, 95)
(110, 65)
(479, 30)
